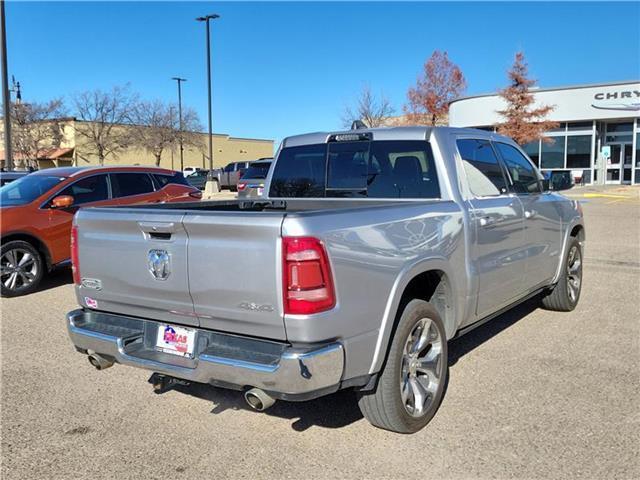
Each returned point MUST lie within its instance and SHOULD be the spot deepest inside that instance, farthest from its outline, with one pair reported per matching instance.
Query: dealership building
(598, 137)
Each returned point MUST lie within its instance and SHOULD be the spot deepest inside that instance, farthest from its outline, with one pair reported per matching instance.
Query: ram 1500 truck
(373, 250)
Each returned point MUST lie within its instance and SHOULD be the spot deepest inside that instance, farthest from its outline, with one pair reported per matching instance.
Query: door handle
(486, 221)
(530, 213)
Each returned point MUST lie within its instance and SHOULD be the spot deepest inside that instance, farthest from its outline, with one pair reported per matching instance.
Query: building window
(532, 149)
(553, 152)
(579, 151)
(580, 126)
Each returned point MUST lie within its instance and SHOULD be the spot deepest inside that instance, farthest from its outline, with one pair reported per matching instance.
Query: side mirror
(545, 185)
(62, 201)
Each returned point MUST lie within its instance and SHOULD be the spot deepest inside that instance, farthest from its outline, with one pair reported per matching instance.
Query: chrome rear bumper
(225, 359)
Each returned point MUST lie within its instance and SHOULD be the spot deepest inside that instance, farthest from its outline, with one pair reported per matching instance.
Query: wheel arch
(33, 240)
(431, 281)
(574, 230)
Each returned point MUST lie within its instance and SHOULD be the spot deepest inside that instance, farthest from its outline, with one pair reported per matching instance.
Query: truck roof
(384, 133)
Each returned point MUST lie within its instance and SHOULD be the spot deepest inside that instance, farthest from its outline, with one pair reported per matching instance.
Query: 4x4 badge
(159, 263)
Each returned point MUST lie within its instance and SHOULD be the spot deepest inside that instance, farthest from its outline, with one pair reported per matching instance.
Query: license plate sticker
(176, 340)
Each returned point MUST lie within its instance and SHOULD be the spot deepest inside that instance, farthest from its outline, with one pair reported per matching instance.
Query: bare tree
(35, 128)
(440, 82)
(156, 127)
(371, 110)
(104, 114)
(522, 122)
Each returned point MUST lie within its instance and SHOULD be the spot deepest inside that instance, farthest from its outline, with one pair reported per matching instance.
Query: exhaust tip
(100, 363)
(258, 399)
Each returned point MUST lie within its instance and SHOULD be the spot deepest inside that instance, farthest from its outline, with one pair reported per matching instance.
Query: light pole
(206, 20)
(179, 81)
(6, 99)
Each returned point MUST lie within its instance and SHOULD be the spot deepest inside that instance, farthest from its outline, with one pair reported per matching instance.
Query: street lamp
(6, 99)
(179, 81)
(206, 20)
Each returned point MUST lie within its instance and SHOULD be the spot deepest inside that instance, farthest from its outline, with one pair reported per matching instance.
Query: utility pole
(179, 81)
(6, 99)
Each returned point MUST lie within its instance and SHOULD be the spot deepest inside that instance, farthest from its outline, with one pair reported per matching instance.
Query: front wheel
(566, 293)
(21, 268)
(411, 385)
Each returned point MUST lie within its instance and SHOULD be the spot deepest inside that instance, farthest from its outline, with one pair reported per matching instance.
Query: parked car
(251, 184)
(186, 171)
(8, 177)
(198, 179)
(228, 176)
(375, 249)
(37, 211)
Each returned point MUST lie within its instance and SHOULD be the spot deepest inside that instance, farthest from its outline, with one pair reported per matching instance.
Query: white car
(190, 170)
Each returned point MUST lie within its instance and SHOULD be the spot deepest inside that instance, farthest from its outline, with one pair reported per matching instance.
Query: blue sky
(286, 68)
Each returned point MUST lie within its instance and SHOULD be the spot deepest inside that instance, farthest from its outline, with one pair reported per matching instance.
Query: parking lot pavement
(532, 394)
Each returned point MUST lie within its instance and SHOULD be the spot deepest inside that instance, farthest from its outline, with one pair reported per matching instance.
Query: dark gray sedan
(251, 185)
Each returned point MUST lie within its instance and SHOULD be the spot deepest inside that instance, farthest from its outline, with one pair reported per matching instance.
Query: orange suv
(37, 211)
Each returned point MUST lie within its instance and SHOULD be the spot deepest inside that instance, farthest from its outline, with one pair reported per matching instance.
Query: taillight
(307, 281)
(75, 258)
(241, 186)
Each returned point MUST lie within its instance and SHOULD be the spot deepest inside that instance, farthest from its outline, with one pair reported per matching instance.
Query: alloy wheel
(574, 273)
(18, 269)
(421, 367)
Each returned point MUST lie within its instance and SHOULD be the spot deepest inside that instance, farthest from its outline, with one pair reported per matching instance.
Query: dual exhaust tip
(256, 398)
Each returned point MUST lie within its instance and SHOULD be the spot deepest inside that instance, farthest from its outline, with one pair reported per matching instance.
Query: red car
(37, 211)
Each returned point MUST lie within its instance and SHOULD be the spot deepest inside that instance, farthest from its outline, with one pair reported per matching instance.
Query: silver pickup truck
(374, 249)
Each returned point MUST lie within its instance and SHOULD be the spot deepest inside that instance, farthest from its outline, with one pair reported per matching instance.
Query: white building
(591, 117)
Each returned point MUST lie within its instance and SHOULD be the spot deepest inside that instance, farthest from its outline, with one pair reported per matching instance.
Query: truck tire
(565, 294)
(21, 268)
(412, 382)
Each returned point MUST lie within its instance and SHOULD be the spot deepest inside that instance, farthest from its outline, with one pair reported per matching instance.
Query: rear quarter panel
(374, 253)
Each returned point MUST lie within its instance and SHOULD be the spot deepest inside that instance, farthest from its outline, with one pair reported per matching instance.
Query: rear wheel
(411, 385)
(21, 268)
(565, 295)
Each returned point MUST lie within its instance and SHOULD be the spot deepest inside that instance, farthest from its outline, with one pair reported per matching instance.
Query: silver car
(251, 185)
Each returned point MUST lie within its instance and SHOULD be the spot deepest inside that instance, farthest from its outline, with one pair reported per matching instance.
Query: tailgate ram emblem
(159, 263)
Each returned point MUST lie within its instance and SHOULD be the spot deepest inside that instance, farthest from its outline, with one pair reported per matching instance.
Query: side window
(229, 168)
(299, 172)
(524, 177)
(127, 184)
(162, 180)
(484, 173)
(89, 189)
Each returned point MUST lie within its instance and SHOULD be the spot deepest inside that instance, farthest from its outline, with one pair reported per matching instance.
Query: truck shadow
(56, 278)
(341, 408)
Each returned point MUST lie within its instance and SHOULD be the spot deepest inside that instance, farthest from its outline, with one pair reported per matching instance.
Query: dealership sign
(629, 100)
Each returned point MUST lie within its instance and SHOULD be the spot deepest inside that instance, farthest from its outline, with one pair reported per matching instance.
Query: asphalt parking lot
(532, 394)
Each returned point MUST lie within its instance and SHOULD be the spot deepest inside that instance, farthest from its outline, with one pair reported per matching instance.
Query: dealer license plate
(176, 340)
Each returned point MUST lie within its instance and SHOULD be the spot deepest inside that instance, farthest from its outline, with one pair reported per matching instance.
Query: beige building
(72, 149)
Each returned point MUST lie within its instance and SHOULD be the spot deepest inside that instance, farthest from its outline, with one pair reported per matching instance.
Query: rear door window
(127, 184)
(484, 173)
(524, 176)
(89, 189)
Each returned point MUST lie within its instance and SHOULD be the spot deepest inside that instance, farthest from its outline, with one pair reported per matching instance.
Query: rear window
(378, 169)
(257, 170)
(162, 179)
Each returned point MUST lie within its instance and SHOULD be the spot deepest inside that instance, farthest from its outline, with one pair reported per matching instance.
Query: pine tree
(523, 122)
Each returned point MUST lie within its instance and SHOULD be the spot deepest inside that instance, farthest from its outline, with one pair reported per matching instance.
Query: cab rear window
(370, 169)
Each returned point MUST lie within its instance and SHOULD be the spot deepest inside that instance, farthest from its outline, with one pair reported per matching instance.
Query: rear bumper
(219, 359)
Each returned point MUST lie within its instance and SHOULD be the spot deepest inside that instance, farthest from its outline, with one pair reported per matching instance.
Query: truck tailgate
(235, 271)
(135, 263)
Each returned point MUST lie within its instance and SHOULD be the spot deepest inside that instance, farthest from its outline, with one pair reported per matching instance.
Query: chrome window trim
(45, 205)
